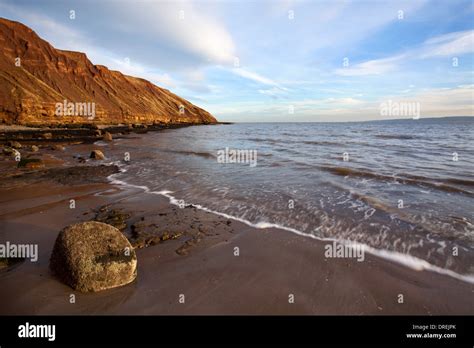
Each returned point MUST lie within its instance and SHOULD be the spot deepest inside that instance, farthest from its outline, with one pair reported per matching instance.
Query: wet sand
(200, 263)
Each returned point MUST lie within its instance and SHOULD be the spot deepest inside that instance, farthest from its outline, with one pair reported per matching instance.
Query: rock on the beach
(107, 136)
(58, 147)
(8, 151)
(30, 163)
(14, 144)
(93, 256)
(97, 154)
(34, 165)
(47, 136)
(34, 148)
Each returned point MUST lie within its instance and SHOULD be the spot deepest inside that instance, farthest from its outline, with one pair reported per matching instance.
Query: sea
(401, 189)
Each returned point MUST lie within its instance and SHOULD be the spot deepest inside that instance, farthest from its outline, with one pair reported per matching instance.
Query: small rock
(114, 217)
(97, 154)
(58, 147)
(107, 136)
(14, 144)
(8, 151)
(34, 148)
(93, 256)
(30, 163)
(47, 136)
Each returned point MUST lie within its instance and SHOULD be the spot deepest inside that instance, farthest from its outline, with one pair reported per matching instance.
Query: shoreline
(85, 133)
(272, 264)
(405, 260)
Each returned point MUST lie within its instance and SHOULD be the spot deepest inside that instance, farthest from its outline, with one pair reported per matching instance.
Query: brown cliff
(31, 92)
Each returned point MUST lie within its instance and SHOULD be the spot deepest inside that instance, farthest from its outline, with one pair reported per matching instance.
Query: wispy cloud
(254, 76)
(451, 44)
(371, 67)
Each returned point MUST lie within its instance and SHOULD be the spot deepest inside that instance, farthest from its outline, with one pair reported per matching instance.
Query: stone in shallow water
(93, 256)
(107, 136)
(97, 154)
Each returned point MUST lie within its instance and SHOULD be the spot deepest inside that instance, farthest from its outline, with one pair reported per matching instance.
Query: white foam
(409, 261)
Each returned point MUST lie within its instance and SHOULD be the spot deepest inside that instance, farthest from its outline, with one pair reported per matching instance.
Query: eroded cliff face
(35, 78)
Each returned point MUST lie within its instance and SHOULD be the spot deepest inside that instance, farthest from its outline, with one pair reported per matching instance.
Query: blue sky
(277, 60)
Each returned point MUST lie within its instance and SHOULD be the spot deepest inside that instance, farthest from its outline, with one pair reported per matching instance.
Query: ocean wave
(396, 136)
(192, 153)
(407, 260)
(437, 183)
(321, 142)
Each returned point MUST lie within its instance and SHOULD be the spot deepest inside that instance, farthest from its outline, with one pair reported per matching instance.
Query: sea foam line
(409, 261)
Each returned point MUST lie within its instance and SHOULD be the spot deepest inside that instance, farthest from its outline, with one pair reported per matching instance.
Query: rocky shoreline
(219, 265)
(140, 230)
(87, 133)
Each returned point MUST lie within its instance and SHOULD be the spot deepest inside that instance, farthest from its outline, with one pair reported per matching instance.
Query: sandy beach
(197, 257)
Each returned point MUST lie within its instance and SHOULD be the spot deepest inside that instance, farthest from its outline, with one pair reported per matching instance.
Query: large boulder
(93, 256)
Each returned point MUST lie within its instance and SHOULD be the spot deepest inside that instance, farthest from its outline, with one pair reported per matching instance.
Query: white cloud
(254, 76)
(451, 44)
(371, 67)
(182, 26)
(274, 92)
